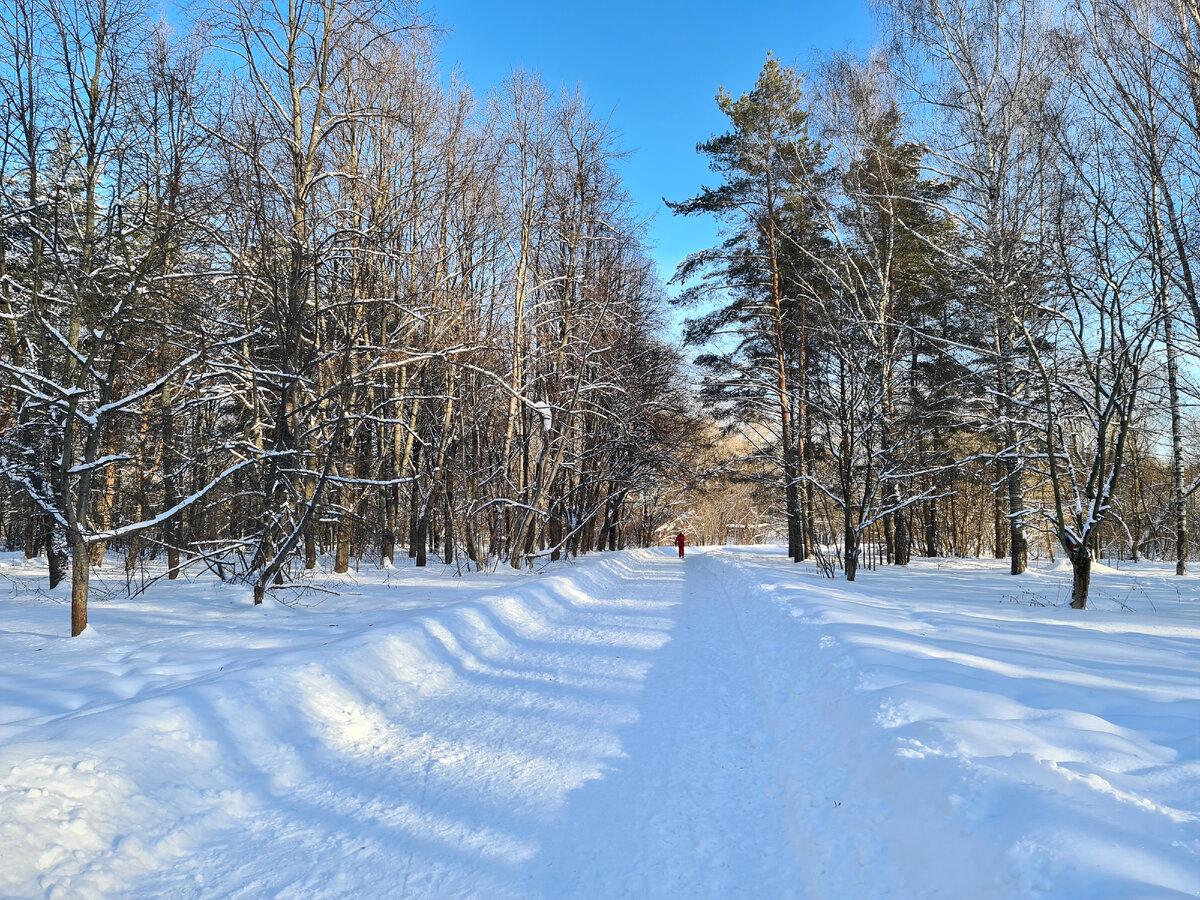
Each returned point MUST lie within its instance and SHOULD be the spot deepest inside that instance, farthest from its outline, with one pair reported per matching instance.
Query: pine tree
(771, 174)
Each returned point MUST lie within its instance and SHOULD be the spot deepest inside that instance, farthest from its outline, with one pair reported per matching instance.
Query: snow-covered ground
(630, 725)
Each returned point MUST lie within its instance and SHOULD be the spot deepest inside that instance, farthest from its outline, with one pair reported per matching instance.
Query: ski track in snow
(632, 725)
(696, 806)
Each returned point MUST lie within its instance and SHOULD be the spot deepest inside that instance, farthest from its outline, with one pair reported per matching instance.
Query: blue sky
(655, 68)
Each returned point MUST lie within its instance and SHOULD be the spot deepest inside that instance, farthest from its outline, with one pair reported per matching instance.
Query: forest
(279, 293)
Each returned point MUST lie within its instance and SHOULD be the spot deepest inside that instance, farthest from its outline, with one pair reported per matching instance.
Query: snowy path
(697, 806)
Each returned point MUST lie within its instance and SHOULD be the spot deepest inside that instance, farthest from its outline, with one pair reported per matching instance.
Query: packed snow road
(698, 804)
(631, 725)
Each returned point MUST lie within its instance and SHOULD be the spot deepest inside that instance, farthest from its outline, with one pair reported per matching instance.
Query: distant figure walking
(680, 540)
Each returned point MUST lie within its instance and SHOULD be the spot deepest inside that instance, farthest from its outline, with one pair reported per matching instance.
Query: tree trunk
(1018, 547)
(851, 552)
(80, 573)
(1179, 501)
(341, 561)
(851, 555)
(414, 506)
(56, 552)
(391, 505)
(810, 504)
(133, 551)
(931, 528)
(172, 528)
(556, 533)
(795, 518)
(472, 546)
(1081, 566)
(420, 538)
(310, 547)
(31, 537)
(448, 543)
(1000, 548)
(900, 549)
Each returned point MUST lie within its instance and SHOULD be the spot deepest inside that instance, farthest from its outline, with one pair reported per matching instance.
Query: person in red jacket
(680, 540)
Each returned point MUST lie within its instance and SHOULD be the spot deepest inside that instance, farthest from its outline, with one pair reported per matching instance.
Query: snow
(630, 725)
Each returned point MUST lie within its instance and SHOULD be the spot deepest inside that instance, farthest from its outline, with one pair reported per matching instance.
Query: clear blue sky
(654, 66)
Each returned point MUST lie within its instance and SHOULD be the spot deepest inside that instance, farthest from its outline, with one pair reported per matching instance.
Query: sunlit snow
(629, 725)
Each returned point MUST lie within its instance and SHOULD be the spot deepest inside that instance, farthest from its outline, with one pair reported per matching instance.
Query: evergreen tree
(772, 174)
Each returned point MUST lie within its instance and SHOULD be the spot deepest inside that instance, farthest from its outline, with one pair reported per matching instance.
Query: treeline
(955, 303)
(272, 288)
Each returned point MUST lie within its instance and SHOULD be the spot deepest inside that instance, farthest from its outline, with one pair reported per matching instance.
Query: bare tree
(103, 240)
(286, 116)
(1137, 70)
(1100, 333)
